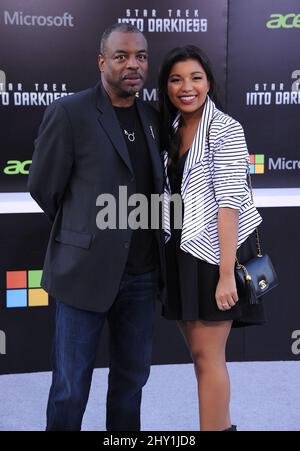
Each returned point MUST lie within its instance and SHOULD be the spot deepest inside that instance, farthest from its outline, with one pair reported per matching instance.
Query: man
(91, 143)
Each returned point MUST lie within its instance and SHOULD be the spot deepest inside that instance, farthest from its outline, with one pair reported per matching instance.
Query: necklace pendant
(130, 136)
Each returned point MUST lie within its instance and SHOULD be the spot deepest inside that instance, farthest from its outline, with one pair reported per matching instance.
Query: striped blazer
(214, 176)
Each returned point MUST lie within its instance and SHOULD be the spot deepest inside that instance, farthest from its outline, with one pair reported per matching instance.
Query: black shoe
(232, 428)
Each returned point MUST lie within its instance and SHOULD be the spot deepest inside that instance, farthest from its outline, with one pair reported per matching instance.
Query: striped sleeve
(231, 161)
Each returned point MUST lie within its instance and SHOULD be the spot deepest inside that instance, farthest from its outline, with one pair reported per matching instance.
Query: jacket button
(126, 245)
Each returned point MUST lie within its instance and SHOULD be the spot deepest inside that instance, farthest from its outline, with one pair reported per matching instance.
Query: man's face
(124, 64)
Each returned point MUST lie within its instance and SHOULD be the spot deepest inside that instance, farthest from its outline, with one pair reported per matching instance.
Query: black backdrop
(253, 49)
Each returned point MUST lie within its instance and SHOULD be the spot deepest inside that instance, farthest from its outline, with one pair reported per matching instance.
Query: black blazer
(80, 152)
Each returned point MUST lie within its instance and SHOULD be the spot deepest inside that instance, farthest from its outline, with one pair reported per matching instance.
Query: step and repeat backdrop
(49, 49)
(263, 86)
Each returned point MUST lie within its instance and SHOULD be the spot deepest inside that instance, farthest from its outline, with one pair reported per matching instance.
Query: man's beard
(122, 91)
(128, 92)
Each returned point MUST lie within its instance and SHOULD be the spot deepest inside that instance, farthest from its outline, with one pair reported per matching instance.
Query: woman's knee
(200, 357)
(207, 360)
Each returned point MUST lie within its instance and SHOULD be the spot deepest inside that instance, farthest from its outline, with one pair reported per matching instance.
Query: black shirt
(143, 252)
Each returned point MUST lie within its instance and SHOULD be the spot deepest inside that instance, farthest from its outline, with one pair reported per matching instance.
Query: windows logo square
(259, 159)
(34, 278)
(16, 279)
(37, 297)
(252, 169)
(259, 169)
(16, 298)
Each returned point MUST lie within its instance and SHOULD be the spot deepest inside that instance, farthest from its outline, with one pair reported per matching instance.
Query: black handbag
(256, 276)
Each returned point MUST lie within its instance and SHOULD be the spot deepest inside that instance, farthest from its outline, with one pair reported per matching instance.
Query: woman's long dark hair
(169, 139)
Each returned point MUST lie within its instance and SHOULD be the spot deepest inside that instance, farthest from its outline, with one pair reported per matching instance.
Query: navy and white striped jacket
(214, 176)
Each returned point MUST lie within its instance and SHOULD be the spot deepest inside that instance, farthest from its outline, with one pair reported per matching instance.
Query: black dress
(191, 282)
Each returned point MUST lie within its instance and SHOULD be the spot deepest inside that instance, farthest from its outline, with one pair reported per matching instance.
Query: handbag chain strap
(258, 242)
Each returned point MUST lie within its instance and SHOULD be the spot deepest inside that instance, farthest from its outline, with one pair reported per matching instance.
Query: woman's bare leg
(206, 341)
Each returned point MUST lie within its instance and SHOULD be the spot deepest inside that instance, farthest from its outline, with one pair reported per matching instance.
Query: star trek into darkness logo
(38, 94)
(173, 21)
(279, 93)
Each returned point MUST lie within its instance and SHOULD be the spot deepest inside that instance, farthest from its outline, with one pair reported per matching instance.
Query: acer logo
(284, 21)
(15, 167)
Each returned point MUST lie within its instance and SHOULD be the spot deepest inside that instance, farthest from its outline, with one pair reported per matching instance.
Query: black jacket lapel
(153, 144)
(110, 124)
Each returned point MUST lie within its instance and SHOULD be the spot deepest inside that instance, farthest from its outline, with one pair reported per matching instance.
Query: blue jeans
(77, 334)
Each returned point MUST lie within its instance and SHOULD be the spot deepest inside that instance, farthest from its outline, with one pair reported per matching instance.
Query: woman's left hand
(226, 292)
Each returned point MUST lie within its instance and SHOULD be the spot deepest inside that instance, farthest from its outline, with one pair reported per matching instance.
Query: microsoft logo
(257, 164)
(23, 289)
(17, 18)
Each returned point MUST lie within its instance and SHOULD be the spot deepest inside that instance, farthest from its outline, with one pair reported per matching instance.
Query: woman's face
(188, 86)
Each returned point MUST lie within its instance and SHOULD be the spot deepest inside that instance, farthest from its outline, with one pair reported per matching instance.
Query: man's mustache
(132, 75)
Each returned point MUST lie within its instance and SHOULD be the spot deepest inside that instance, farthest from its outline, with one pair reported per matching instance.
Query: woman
(206, 163)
